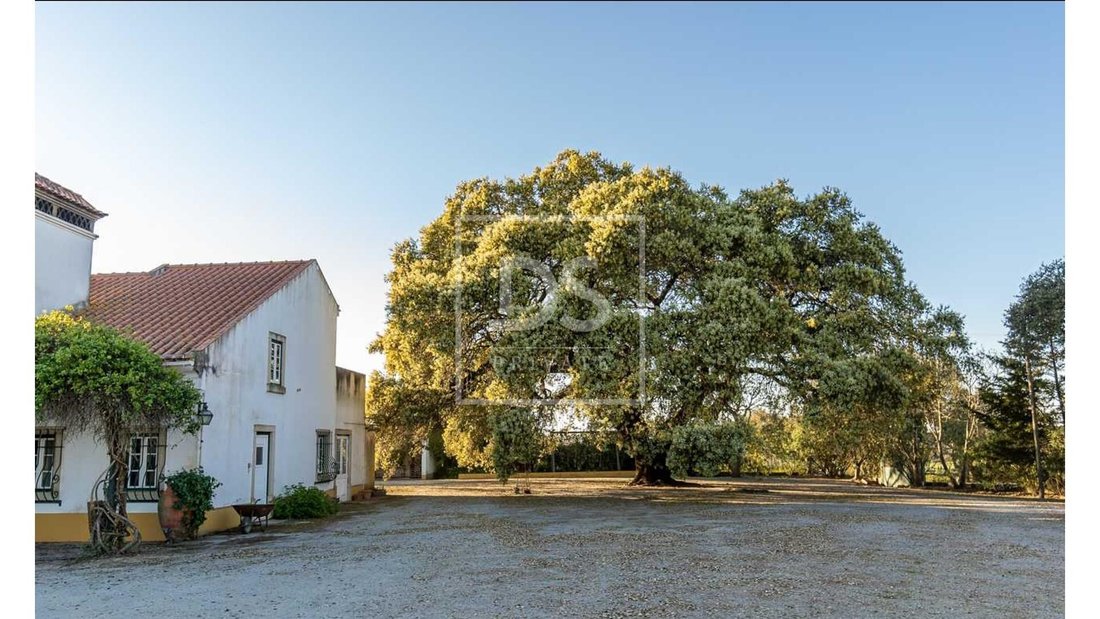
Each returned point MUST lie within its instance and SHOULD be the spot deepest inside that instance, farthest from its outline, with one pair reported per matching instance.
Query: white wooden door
(261, 467)
(342, 487)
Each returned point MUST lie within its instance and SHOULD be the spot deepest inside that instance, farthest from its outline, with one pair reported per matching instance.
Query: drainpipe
(199, 463)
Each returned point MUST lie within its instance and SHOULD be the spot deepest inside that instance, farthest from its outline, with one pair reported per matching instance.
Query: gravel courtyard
(595, 548)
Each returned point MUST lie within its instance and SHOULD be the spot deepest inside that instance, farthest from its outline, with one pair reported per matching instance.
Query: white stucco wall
(62, 263)
(304, 311)
(83, 460)
(350, 416)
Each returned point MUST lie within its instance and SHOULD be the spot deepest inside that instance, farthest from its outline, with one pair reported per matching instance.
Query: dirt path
(595, 548)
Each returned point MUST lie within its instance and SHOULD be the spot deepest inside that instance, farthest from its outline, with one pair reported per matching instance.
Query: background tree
(939, 354)
(1008, 448)
(1036, 324)
(94, 379)
(775, 443)
(404, 416)
(953, 420)
(1030, 377)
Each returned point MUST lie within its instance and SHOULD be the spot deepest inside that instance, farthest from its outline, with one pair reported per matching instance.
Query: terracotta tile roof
(180, 308)
(64, 193)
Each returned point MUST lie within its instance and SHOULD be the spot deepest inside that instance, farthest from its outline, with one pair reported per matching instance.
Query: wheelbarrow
(254, 514)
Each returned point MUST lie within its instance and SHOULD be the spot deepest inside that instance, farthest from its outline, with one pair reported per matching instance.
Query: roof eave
(91, 212)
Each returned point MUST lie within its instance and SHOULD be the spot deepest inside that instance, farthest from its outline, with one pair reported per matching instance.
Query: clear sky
(215, 133)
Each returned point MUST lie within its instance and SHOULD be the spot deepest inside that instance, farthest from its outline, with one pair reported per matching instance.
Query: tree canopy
(94, 378)
(803, 295)
(1036, 323)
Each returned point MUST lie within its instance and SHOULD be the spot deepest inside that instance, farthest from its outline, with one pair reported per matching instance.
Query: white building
(258, 339)
(64, 229)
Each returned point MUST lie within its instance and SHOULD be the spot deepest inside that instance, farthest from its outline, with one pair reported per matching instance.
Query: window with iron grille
(47, 466)
(144, 465)
(324, 456)
(276, 363)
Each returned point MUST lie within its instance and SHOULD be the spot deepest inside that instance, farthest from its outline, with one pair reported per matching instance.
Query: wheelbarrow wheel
(246, 525)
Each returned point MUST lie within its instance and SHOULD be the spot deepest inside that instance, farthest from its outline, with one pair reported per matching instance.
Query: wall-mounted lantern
(204, 414)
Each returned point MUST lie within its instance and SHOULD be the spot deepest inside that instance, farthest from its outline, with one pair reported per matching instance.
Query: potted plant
(187, 496)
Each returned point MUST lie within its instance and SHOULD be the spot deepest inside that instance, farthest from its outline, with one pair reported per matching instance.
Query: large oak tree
(803, 294)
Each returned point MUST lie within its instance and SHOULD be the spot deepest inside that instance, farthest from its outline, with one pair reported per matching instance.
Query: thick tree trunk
(115, 492)
(117, 487)
(916, 473)
(735, 466)
(111, 531)
(649, 470)
(653, 475)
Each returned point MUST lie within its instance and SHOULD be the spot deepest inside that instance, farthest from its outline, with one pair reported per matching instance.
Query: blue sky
(218, 133)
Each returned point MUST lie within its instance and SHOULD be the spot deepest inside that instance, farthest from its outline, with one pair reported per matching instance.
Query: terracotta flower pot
(171, 519)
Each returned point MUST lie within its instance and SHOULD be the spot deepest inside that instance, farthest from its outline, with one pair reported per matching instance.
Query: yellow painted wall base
(74, 527)
(220, 519)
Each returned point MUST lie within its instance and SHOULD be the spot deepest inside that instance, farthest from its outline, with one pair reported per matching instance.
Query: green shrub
(516, 441)
(773, 444)
(705, 448)
(194, 492)
(300, 501)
